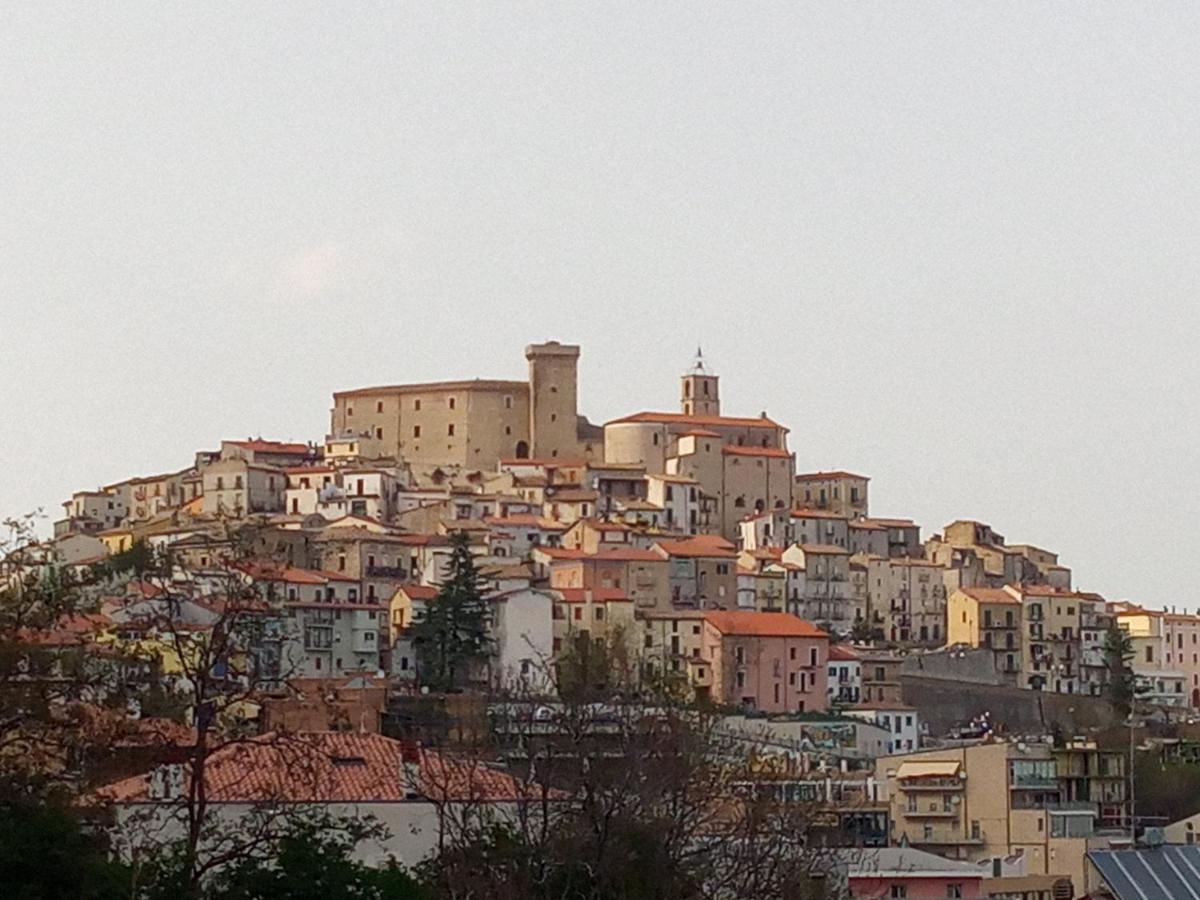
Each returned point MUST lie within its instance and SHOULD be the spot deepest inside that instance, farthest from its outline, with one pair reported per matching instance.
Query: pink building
(887, 872)
(772, 661)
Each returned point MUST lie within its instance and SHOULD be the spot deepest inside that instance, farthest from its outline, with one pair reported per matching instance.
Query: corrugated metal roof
(1160, 873)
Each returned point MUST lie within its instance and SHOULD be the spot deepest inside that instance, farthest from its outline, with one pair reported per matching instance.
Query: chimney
(410, 769)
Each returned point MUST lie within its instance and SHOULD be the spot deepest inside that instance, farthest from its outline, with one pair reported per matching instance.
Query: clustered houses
(648, 519)
(685, 542)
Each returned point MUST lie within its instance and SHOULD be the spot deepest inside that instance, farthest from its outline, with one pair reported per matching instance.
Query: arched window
(759, 506)
(687, 389)
(655, 439)
(522, 450)
(740, 502)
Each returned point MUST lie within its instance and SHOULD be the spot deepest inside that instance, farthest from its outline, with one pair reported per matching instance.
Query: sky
(952, 246)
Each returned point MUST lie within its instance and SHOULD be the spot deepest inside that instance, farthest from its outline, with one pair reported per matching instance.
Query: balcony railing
(931, 784)
(931, 812)
(387, 572)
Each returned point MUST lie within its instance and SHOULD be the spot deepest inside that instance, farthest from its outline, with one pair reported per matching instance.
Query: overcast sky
(951, 246)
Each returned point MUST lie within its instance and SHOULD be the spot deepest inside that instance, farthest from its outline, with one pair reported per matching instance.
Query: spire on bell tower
(700, 395)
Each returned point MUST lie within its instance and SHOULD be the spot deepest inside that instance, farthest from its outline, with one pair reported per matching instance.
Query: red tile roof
(699, 546)
(335, 767)
(842, 653)
(615, 554)
(824, 550)
(419, 591)
(804, 512)
(548, 462)
(699, 432)
(593, 595)
(664, 418)
(260, 446)
(525, 520)
(293, 575)
(826, 476)
(990, 595)
(772, 452)
(886, 523)
(762, 624)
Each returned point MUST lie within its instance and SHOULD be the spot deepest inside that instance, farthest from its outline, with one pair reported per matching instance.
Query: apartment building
(910, 594)
(841, 493)
(701, 572)
(822, 594)
(845, 676)
(1162, 654)
(774, 662)
(991, 618)
(641, 575)
(237, 487)
(992, 800)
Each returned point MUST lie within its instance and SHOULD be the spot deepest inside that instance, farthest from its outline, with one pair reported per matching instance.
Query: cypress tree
(454, 632)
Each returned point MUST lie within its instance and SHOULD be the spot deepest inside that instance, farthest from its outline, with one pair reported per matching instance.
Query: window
(599, 613)
(954, 891)
(792, 654)
(899, 891)
(416, 431)
(379, 406)
(739, 655)
(417, 405)
(450, 429)
(379, 433)
(1149, 654)
(649, 641)
(578, 613)
(508, 402)
(450, 402)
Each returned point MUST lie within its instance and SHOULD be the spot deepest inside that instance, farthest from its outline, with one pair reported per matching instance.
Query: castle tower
(700, 392)
(553, 399)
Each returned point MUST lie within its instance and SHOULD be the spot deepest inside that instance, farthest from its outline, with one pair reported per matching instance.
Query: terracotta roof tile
(762, 624)
(772, 452)
(334, 767)
(665, 418)
(701, 545)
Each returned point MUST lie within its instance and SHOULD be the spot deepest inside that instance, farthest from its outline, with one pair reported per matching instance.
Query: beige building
(843, 493)
(910, 595)
(235, 487)
(742, 465)
(991, 618)
(824, 591)
(994, 800)
(474, 424)
(1166, 653)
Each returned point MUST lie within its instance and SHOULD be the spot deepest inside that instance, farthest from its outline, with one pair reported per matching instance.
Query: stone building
(473, 423)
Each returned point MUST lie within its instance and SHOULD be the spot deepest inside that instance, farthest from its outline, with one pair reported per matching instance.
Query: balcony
(931, 784)
(1034, 782)
(398, 572)
(931, 812)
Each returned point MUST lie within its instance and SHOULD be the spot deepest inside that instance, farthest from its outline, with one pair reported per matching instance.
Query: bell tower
(700, 390)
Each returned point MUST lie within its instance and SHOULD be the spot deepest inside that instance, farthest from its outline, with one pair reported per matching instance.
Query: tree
(451, 636)
(313, 860)
(1118, 656)
(648, 799)
(45, 855)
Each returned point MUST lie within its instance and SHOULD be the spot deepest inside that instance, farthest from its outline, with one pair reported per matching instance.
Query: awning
(945, 769)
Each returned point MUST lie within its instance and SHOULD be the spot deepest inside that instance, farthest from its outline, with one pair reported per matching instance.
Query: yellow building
(987, 617)
(1166, 650)
(991, 800)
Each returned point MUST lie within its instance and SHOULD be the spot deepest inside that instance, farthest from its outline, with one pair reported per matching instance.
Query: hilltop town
(944, 691)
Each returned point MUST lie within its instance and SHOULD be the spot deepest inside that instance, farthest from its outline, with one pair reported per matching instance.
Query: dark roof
(1164, 873)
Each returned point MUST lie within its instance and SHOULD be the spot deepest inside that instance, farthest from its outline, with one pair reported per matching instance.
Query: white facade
(523, 635)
